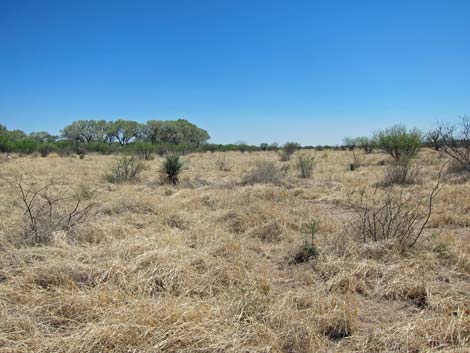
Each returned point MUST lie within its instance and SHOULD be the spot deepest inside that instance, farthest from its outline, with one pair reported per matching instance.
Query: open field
(207, 266)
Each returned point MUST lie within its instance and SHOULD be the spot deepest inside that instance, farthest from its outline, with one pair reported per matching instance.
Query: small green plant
(306, 165)
(172, 168)
(127, 169)
(308, 249)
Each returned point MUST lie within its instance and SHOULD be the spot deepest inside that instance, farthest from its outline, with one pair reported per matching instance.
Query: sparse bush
(432, 139)
(394, 218)
(172, 168)
(402, 172)
(455, 142)
(398, 142)
(288, 149)
(366, 143)
(143, 151)
(308, 249)
(222, 164)
(350, 143)
(264, 172)
(127, 169)
(52, 206)
(306, 164)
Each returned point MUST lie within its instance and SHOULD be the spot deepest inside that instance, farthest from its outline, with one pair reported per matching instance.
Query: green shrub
(398, 142)
(45, 149)
(308, 250)
(366, 143)
(126, 169)
(306, 165)
(143, 150)
(172, 168)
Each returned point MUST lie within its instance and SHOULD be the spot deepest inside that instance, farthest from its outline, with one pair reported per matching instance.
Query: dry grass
(206, 266)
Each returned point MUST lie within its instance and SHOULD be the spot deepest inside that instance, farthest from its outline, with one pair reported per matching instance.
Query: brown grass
(206, 266)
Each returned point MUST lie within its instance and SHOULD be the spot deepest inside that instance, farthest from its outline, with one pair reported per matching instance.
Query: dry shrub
(51, 206)
(397, 219)
(270, 231)
(401, 172)
(222, 164)
(126, 170)
(264, 172)
(306, 164)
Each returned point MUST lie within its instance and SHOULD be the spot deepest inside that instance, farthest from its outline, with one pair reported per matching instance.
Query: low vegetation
(125, 170)
(224, 262)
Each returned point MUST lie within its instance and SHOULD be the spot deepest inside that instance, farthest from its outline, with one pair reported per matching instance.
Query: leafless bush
(264, 172)
(51, 206)
(399, 219)
(456, 142)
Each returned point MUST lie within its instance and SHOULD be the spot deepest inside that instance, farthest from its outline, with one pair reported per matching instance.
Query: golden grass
(206, 266)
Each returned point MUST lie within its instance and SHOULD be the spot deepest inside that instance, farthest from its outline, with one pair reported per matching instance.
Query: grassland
(207, 266)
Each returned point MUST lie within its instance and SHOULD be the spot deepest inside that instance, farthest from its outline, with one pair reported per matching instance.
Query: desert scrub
(125, 170)
(51, 206)
(308, 250)
(264, 172)
(172, 168)
(306, 164)
(395, 217)
(288, 149)
(222, 164)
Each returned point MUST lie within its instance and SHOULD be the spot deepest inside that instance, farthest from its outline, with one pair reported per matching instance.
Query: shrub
(52, 206)
(455, 142)
(222, 164)
(350, 143)
(45, 149)
(403, 172)
(172, 168)
(366, 143)
(264, 172)
(288, 149)
(394, 218)
(308, 249)
(143, 151)
(398, 142)
(306, 165)
(126, 169)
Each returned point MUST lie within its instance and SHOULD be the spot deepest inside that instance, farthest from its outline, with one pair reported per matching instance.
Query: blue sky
(308, 71)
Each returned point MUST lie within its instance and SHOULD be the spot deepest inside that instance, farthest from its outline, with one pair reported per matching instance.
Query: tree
(398, 142)
(125, 131)
(366, 143)
(82, 131)
(42, 137)
(350, 143)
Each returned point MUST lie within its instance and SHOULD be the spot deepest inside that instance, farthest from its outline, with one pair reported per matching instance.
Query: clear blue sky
(308, 71)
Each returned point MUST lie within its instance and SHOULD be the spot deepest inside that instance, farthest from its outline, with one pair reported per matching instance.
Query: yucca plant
(172, 168)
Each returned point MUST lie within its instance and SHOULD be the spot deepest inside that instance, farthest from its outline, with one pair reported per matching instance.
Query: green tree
(398, 142)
